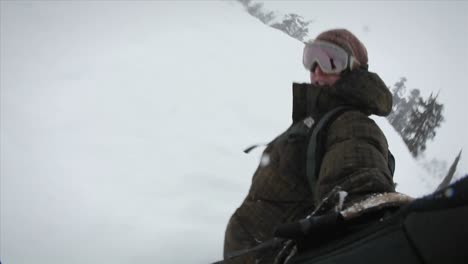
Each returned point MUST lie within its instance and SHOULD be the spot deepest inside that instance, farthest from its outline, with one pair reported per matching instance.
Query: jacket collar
(360, 89)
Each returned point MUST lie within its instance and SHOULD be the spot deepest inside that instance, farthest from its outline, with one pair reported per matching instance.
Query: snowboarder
(354, 149)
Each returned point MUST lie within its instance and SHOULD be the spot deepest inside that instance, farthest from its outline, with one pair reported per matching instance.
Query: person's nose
(316, 75)
(318, 71)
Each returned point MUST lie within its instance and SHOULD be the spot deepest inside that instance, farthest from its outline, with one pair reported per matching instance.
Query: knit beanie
(348, 41)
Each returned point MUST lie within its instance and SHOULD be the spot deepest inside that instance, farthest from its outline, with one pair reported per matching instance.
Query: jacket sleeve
(355, 158)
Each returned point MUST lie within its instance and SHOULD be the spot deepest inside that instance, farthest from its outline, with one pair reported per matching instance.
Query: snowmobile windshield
(330, 57)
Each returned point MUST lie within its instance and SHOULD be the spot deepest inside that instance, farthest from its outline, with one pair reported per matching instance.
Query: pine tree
(399, 90)
(398, 113)
(402, 107)
(256, 10)
(293, 25)
(425, 117)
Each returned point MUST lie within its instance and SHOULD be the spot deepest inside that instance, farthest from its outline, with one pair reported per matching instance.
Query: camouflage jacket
(355, 158)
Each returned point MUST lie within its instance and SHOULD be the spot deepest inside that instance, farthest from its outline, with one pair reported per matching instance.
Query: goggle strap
(352, 60)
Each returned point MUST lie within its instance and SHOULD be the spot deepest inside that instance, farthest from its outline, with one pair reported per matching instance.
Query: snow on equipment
(432, 229)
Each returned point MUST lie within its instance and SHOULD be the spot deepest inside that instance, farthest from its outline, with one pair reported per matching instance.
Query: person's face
(318, 77)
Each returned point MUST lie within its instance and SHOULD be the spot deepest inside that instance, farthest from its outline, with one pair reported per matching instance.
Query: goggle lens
(329, 57)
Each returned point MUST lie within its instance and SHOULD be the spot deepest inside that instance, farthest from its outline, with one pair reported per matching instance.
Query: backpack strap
(314, 152)
(391, 162)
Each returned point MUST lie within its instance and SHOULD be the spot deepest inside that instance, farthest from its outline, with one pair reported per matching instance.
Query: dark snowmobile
(432, 229)
(388, 228)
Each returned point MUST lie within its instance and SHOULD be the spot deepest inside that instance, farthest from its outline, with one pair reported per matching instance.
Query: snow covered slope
(123, 125)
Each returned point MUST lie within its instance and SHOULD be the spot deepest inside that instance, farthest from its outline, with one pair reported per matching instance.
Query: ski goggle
(330, 57)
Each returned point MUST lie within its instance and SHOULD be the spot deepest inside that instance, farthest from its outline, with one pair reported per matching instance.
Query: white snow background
(123, 125)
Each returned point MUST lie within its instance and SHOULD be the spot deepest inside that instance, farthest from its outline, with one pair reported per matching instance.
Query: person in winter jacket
(355, 149)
